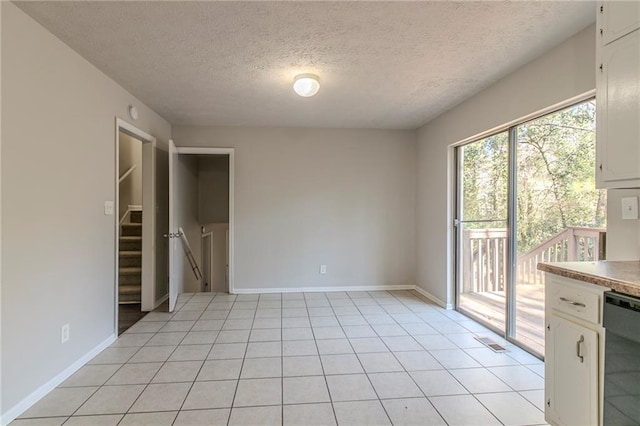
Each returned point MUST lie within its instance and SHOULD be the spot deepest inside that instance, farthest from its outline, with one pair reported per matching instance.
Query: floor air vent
(490, 344)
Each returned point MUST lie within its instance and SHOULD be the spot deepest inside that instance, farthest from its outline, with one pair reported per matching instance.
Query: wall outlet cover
(65, 333)
(323, 269)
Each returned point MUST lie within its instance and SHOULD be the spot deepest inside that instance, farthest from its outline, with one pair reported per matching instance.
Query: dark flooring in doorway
(128, 314)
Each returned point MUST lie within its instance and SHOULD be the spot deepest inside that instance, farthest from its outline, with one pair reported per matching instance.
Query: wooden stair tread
(130, 253)
(130, 289)
(130, 270)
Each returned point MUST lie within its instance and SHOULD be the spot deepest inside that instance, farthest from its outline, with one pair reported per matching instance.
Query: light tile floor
(356, 358)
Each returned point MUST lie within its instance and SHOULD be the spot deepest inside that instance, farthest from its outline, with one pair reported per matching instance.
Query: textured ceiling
(381, 64)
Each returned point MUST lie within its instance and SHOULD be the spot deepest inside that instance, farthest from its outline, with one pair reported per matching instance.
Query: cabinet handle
(579, 349)
(572, 303)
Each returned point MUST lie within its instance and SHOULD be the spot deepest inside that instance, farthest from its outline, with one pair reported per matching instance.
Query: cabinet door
(572, 374)
(618, 18)
(618, 113)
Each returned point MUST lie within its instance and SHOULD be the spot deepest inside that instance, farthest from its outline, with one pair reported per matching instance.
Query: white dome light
(306, 85)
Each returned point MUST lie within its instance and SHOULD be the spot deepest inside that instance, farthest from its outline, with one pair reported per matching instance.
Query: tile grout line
(246, 348)
(101, 386)
(400, 298)
(205, 358)
(324, 376)
(161, 366)
(360, 362)
(481, 366)
(282, 361)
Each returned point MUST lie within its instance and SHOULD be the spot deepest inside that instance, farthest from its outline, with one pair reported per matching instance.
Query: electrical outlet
(323, 269)
(65, 333)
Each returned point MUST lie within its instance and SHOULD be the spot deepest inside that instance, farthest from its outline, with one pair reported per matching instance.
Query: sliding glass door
(525, 195)
(482, 199)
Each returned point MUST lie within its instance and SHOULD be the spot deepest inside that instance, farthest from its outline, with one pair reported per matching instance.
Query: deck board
(490, 306)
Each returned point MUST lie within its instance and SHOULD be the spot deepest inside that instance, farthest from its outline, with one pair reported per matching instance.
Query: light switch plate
(630, 207)
(108, 208)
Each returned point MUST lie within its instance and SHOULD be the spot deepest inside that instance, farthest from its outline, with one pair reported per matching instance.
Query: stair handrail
(190, 257)
(127, 173)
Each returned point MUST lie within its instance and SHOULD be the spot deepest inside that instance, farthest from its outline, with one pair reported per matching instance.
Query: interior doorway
(201, 221)
(134, 211)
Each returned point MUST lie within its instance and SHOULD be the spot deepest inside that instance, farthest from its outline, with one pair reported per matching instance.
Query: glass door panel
(560, 215)
(482, 205)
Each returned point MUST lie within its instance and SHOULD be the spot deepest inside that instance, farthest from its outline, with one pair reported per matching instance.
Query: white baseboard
(433, 298)
(418, 289)
(322, 289)
(161, 300)
(35, 396)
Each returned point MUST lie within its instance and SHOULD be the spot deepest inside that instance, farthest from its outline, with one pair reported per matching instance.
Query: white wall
(623, 236)
(562, 73)
(186, 216)
(130, 154)
(306, 197)
(58, 168)
(213, 188)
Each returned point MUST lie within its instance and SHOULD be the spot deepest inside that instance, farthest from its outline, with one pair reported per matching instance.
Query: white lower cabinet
(573, 352)
(573, 389)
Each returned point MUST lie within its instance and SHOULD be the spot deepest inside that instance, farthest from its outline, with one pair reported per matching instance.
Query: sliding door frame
(510, 309)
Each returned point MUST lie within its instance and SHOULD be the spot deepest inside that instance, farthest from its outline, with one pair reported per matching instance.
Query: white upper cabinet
(619, 18)
(618, 95)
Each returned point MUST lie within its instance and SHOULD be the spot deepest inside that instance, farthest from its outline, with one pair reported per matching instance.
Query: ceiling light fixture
(306, 85)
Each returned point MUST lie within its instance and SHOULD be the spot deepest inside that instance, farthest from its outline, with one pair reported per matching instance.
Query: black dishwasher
(622, 360)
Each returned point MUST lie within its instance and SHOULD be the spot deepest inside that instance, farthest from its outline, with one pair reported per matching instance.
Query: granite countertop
(623, 277)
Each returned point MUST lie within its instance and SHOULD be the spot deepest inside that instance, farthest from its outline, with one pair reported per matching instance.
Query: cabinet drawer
(576, 302)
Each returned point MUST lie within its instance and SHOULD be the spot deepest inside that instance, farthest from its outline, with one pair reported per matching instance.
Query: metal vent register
(490, 344)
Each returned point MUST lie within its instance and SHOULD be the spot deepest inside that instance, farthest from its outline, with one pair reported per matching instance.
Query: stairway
(130, 260)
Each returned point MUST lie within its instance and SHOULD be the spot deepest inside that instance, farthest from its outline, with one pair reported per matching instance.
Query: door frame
(230, 153)
(453, 180)
(203, 242)
(458, 227)
(149, 142)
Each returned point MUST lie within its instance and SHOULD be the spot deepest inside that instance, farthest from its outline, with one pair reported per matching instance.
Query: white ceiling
(381, 64)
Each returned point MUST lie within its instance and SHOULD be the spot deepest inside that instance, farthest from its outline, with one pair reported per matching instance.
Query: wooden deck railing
(484, 260)
(485, 256)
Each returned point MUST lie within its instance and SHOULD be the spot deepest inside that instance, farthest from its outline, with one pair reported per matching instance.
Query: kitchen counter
(623, 277)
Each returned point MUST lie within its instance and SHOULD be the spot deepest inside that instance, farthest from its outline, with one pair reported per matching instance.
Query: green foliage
(485, 180)
(555, 176)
